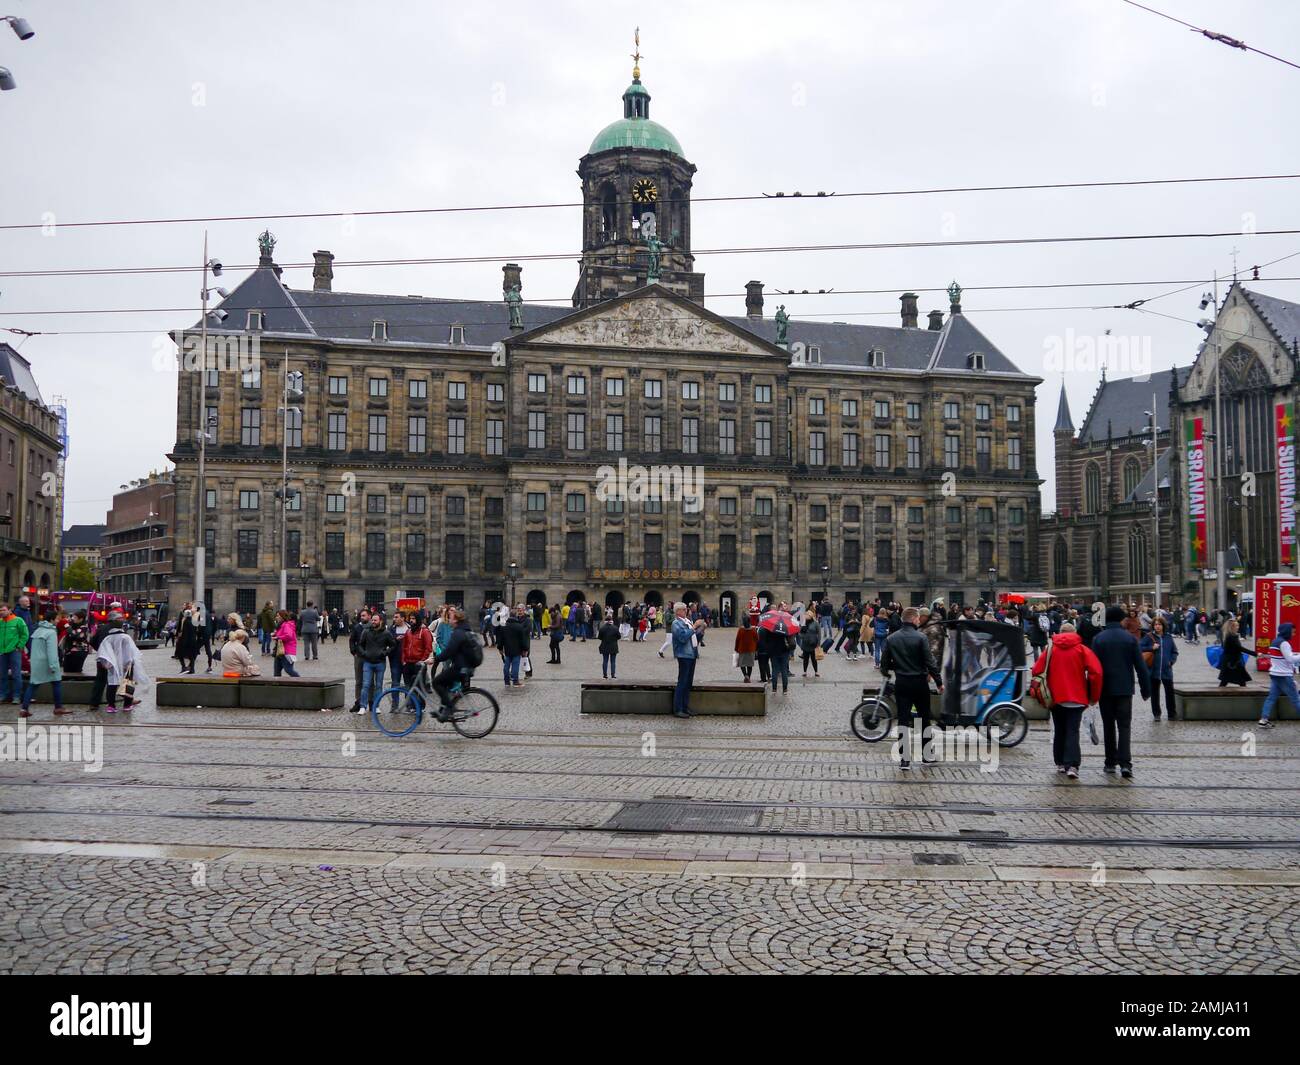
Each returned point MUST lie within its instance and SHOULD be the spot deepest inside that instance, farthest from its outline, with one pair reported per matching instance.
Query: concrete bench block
(76, 691)
(197, 691)
(644, 698)
(1232, 703)
(286, 693)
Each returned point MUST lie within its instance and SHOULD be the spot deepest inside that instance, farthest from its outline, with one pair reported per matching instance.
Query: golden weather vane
(636, 56)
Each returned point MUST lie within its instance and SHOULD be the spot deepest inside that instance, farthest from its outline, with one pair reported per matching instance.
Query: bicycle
(472, 711)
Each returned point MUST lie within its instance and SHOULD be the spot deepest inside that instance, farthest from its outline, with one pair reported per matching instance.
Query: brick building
(138, 548)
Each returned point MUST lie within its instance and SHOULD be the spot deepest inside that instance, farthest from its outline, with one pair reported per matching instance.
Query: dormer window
(457, 334)
(876, 358)
(379, 329)
(814, 353)
(256, 320)
(975, 360)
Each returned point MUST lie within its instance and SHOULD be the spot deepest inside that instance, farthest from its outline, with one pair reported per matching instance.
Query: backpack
(473, 656)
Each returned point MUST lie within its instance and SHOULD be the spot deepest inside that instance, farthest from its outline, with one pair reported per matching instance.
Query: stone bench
(76, 691)
(251, 693)
(1232, 703)
(649, 697)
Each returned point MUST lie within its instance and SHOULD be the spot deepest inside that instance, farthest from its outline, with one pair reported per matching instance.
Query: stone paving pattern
(292, 795)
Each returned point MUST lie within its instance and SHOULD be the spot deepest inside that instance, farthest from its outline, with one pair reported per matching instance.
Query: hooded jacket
(1075, 675)
(1117, 651)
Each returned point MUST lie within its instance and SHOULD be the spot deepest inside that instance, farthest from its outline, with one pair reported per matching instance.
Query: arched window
(608, 212)
(1139, 565)
(1132, 475)
(1092, 489)
(1061, 563)
(1094, 564)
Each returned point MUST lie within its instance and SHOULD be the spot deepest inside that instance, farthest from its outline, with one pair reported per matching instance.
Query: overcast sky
(152, 109)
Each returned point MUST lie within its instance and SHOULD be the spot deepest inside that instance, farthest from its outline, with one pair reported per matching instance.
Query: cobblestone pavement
(610, 843)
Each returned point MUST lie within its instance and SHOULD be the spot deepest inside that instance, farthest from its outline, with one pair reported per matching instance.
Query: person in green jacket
(13, 638)
(45, 667)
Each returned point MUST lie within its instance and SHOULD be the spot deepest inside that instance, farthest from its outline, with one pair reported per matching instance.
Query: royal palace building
(635, 445)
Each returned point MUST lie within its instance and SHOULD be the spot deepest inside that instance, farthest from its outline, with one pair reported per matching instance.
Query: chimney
(754, 299)
(908, 300)
(511, 275)
(322, 274)
(936, 319)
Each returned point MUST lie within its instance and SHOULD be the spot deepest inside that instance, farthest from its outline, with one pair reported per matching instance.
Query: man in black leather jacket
(907, 655)
(455, 655)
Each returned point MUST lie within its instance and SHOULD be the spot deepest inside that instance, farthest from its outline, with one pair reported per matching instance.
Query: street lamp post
(1221, 577)
(148, 561)
(292, 393)
(206, 428)
(514, 576)
(1155, 493)
(304, 568)
(826, 580)
(993, 589)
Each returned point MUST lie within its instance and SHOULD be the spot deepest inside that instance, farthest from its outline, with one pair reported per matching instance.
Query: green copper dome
(634, 129)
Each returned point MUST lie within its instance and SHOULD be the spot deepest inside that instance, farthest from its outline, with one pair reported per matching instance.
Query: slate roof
(1282, 316)
(1144, 487)
(1064, 423)
(424, 320)
(16, 372)
(83, 535)
(1118, 405)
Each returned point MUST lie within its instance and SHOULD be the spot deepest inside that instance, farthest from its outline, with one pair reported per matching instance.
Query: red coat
(1075, 676)
(417, 645)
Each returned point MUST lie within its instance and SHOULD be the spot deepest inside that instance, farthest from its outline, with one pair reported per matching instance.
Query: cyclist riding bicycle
(462, 655)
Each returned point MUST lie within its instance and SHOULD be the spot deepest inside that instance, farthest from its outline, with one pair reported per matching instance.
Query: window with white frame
(817, 449)
(456, 390)
(536, 382)
(726, 436)
(455, 436)
(496, 436)
(576, 437)
(536, 429)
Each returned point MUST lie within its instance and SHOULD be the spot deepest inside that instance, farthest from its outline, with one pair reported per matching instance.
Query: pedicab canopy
(980, 663)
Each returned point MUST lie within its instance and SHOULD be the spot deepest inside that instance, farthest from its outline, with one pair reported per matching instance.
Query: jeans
(1168, 686)
(31, 690)
(372, 682)
(283, 665)
(780, 667)
(11, 664)
(685, 678)
(826, 628)
(1066, 720)
(608, 663)
(266, 636)
(877, 646)
(1280, 686)
(510, 668)
(1116, 724)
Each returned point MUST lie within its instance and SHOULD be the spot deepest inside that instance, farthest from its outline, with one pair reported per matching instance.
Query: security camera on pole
(207, 427)
(24, 32)
(293, 393)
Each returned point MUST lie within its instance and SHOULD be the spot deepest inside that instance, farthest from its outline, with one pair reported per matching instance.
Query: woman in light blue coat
(45, 667)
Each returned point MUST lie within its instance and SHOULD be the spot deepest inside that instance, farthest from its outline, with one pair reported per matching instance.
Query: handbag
(127, 688)
(821, 653)
(277, 648)
(735, 659)
(1038, 689)
(526, 664)
(1091, 717)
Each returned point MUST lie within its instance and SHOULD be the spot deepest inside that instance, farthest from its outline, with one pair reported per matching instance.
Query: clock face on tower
(644, 191)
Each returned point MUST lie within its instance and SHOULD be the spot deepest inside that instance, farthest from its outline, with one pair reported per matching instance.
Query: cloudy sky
(130, 110)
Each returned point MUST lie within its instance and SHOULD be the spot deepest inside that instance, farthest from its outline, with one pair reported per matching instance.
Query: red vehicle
(96, 604)
(1277, 600)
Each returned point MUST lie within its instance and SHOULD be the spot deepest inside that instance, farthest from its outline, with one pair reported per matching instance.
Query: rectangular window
(496, 393)
(577, 385)
(246, 551)
(884, 556)
(614, 386)
(455, 553)
(1013, 453)
(653, 388)
(727, 553)
(292, 548)
(913, 452)
(951, 451)
(455, 436)
(849, 408)
(882, 408)
(210, 499)
(536, 429)
(575, 551)
(913, 411)
(334, 551)
(613, 432)
(535, 551)
(916, 556)
(250, 427)
(575, 503)
(726, 436)
(762, 393)
(613, 506)
(210, 547)
(884, 515)
(494, 508)
(379, 388)
(338, 432)
(294, 502)
(763, 560)
(249, 500)
(983, 454)
(955, 557)
(762, 438)
(496, 437)
(1013, 412)
(652, 506)
(816, 555)
(690, 551)
(376, 504)
(816, 406)
(536, 382)
(852, 556)
(690, 435)
(376, 550)
(536, 502)
(849, 449)
(653, 433)
(817, 512)
(654, 551)
(817, 449)
(456, 390)
(986, 555)
(984, 515)
(455, 506)
(727, 505)
(951, 410)
(1015, 515)
(577, 432)
(377, 437)
(690, 390)
(416, 504)
(338, 386)
(763, 506)
(983, 412)
(415, 556)
(952, 515)
(336, 503)
(293, 427)
(416, 438)
(493, 553)
(727, 393)
(852, 512)
(1017, 560)
(417, 388)
(614, 550)
(883, 459)
(916, 515)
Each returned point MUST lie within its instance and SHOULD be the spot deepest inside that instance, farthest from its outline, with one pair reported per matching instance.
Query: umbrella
(1013, 597)
(778, 621)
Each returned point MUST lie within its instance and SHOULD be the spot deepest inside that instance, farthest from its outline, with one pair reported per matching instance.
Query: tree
(79, 576)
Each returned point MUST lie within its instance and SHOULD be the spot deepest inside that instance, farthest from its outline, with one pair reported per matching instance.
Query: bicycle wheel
(475, 713)
(1007, 724)
(871, 720)
(408, 716)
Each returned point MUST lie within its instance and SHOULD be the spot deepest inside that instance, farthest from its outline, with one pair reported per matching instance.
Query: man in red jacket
(417, 645)
(1074, 681)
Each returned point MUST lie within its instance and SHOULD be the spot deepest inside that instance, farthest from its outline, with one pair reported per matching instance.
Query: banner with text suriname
(1284, 422)
(1196, 531)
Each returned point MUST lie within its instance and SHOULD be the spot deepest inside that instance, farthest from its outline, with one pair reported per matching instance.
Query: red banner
(1284, 423)
(1196, 529)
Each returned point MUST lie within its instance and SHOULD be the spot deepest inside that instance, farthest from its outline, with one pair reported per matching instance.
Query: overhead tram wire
(122, 271)
(740, 198)
(1221, 38)
(1138, 304)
